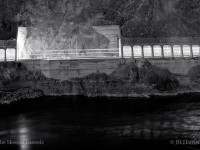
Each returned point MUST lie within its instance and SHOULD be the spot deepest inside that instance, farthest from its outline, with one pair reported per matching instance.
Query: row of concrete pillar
(191, 47)
(5, 53)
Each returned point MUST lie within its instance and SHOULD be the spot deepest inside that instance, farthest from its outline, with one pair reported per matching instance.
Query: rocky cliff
(156, 18)
(63, 20)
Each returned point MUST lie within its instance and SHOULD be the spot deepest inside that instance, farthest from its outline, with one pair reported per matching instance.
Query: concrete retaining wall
(67, 69)
(179, 66)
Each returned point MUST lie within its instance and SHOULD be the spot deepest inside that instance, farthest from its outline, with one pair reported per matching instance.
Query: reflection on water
(110, 124)
(23, 133)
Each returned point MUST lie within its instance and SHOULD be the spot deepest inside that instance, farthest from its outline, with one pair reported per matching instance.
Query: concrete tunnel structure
(159, 51)
(152, 48)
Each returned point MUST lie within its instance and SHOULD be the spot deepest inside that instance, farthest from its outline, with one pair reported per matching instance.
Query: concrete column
(172, 51)
(142, 51)
(162, 51)
(182, 51)
(5, 57)
(120, 47)
(191, 52)
(21, 39)
(152, 51)
(15, 54)
(122, 53)
(199, 51)
(132, 54)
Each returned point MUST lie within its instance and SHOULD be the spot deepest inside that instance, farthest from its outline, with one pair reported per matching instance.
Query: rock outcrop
(60, 25)
(17, 82)
(147, 74)
(63, 20)
(156, 18)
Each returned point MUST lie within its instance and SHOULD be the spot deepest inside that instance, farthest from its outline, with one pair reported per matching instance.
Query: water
(100, 123)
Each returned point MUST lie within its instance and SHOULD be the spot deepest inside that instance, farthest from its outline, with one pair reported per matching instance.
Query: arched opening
(127, 51)
(177, 50)
(147, 51)
(186, 51)
(10, 54)
(157, 51)
(167, 49)
(196, 50)
(137, 51)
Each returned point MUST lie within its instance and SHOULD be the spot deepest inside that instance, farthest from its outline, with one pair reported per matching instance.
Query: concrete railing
(160, 51)
(136, 51)
(76, 54)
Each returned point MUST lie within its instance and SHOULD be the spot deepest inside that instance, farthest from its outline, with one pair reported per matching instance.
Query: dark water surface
(101, 123)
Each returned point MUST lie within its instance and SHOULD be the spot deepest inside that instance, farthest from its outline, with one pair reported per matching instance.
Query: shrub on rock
(148, 74)
(163, 79)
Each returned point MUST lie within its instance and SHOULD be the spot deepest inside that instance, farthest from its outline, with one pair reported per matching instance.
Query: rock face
(137, 18)
(147, 74)
(60, 25)
(156, 18)
(130, 79)
(9, 96)
(17, 82)
(12, 71)
(64, 20)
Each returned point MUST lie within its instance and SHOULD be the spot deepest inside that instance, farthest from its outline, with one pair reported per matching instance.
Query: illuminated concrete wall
(29, 49)
(21, 39)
